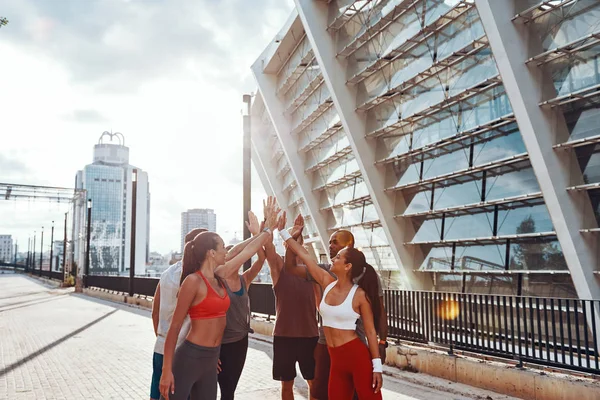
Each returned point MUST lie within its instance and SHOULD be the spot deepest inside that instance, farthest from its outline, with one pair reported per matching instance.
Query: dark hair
(194, 252)
(193, 233)
(365, 276)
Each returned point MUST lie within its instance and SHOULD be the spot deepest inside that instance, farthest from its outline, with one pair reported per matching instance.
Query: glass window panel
(469, 226)
(595, 200)
(583, 121)
(429, 230)
(512, 184)
(576, 73)
(537, 254)
(446, 163)
(491, 284)
(501, 147)
(419, 203)
(523, 220)
(480, 258)
(370, 213)
(547, 285)
(456, 195)
(381, 258)
(438, 258)
(589, 162)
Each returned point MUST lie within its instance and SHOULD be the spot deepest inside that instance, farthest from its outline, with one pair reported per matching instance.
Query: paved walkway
(55, 344)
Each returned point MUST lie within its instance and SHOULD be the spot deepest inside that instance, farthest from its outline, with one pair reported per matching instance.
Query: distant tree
(3, 21)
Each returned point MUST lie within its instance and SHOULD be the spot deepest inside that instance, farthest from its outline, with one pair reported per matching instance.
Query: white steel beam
(267, 85)
(314, 18)
(512, 43)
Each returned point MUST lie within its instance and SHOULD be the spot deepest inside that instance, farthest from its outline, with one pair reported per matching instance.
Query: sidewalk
(55, 344)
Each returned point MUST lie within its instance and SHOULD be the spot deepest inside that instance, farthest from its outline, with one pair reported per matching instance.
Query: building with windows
(109, 184)
(458, 140)
(6, 248)
(197, 218)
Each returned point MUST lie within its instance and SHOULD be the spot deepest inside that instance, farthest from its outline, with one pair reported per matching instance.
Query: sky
(168, 74)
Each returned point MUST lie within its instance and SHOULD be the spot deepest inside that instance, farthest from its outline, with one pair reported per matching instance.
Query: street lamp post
(51, 246)
(33, 255)
(133, 228)
(41, 251)
(246, 162)
(87, 241)
(28, 253)
(64, 247)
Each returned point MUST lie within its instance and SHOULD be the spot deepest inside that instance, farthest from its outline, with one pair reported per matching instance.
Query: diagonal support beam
(314, 18)
(267, 85)
(541, 128)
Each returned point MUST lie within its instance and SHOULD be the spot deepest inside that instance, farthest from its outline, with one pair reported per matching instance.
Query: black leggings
(195, 372)
(233, 357)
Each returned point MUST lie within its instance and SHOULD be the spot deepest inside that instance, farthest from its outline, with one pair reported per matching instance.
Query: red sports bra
(213, 305)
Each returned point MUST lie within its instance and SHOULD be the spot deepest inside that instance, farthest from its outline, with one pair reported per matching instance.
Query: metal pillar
(41, 251)
(247, 170)
(267, 84)
(28, 254)
(51, 246)
(314, 19)
(512, 43)
(33, 255)
(64, 247)
(133, 228)
(87, 242)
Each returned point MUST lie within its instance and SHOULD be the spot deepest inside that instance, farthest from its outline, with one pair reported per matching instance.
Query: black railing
(547, 331)
(554, 332)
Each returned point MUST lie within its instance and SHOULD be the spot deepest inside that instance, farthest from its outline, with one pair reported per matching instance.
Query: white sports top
(342, 316)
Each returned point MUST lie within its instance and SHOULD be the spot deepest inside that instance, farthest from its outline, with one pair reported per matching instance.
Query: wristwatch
(383, 342)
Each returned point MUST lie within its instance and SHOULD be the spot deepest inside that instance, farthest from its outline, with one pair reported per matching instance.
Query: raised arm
(321, 276)
(290, 263)
(366, 314)
(229, 270)
(251, 274)
(187, 293)
(156, 309)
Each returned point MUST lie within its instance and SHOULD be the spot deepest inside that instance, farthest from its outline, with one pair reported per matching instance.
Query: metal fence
(547, 331)
(554, 332)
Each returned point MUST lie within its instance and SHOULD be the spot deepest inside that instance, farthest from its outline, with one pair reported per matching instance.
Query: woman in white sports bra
(354, 294)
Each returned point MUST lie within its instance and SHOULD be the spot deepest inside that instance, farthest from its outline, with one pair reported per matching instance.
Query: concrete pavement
(55, 344)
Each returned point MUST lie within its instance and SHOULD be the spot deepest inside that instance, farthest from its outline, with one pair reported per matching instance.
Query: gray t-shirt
(360, 327)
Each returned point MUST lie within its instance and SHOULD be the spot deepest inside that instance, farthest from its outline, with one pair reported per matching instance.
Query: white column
(267, 86)
(314, 19)
(512, 43)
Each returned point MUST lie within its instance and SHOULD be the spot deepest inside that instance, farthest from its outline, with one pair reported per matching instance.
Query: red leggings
(351, 369)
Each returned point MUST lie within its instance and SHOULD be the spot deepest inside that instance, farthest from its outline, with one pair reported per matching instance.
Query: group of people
(201, 315)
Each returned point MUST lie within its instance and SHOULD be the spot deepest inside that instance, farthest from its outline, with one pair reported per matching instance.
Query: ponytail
(365, 276)
(194, 253)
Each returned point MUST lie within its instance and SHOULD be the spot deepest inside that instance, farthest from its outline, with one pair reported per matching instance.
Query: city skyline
(175, 104)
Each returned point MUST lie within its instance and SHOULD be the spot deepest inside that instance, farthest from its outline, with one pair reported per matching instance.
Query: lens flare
(448, 309)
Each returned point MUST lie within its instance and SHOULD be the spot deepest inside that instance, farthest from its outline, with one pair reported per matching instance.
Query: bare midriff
(339, 337)
(207, 332)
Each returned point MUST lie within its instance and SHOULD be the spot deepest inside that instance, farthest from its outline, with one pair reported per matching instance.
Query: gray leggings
(195, 372)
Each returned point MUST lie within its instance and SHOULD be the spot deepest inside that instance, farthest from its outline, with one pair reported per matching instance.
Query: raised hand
(282, 221)
(252, 224)
(298, 227)
(271, 213)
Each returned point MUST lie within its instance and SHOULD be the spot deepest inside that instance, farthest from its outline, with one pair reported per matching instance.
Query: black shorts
(289, 350)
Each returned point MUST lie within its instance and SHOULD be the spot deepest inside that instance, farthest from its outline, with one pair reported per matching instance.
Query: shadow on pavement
(58, 341)
(31, 302)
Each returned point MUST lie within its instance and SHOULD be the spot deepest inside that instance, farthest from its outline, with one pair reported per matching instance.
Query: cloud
(117, 46)
(12, 167)
(86, 116)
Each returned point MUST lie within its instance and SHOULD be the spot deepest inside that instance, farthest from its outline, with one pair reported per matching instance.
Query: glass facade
(445, 138)
(106, 187)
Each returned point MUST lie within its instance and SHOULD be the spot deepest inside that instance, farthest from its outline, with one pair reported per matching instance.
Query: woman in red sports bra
(192, 368)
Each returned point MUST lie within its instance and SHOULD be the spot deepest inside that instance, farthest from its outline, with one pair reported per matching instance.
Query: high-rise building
(6, 248)
(457, 139)
(109, 184)
(197, 218)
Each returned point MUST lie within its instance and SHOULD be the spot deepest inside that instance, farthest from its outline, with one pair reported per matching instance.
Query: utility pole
(247, 170)
(41, 251)
(133, 228)
(28, 254)
(51, 246)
